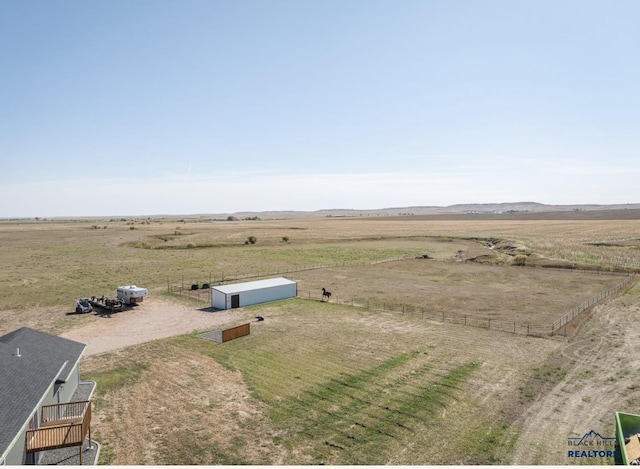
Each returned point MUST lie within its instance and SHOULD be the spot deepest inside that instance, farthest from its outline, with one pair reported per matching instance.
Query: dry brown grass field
(322, 382)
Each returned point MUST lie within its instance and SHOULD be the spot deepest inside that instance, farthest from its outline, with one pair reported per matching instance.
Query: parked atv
(83, 306)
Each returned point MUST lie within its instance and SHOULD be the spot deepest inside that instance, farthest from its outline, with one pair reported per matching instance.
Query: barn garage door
(235, 301)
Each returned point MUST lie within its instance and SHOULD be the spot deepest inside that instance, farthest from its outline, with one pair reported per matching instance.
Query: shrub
(520, 259)
(252, 240)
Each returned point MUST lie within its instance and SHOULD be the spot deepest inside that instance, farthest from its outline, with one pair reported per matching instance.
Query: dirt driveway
(156, 318)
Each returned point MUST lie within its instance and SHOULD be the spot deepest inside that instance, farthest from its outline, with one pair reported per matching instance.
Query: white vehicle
(132, 295)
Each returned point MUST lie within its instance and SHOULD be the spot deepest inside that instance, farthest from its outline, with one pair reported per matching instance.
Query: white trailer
(132, 295)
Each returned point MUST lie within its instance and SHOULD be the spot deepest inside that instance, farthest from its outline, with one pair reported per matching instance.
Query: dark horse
(326, 294)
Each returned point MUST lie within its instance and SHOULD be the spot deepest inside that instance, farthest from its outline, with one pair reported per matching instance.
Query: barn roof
(255, 285)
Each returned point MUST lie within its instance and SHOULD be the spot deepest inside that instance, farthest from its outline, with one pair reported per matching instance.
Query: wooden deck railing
(62, 425)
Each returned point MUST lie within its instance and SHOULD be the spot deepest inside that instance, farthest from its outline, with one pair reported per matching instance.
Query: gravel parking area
(156, 318)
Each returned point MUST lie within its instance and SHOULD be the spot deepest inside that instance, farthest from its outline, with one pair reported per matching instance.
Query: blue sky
(178, 107)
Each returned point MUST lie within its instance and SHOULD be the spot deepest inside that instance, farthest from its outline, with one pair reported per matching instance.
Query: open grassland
(46, 265)
(317, 383)
(327, 383)
(50, 263)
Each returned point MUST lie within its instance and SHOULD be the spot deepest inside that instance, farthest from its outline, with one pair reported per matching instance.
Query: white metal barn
(237, 295)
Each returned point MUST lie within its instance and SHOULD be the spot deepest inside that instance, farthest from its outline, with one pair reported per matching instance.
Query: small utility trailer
(132, 295)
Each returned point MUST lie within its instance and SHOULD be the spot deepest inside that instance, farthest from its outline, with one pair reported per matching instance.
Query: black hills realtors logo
(591, 445)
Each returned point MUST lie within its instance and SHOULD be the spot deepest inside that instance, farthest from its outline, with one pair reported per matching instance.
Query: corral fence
(523, 328)
(201, 289)
(564, 320)
(513, 327)
(193, 286)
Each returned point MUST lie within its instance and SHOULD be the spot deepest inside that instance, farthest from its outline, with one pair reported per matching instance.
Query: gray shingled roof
(24, 379)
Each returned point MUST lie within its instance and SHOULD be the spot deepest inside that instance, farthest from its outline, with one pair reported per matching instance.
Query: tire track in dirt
(601, 378)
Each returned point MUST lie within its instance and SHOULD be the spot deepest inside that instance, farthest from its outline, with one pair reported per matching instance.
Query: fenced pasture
(478, 295)
(511, 299)
(318, 383)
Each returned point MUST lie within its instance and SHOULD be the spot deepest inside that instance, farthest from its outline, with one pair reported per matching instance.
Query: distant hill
(515, 210)
(505, 210)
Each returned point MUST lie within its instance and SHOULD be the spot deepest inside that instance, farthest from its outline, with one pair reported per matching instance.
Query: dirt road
(156, 318)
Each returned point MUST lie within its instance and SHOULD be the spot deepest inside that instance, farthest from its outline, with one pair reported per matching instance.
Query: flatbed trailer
(109, 304)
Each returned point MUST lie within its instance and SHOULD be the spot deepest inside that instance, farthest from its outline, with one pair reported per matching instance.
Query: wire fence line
(220, 278)
(525, 328)
(201, 289)
(448, 317)
(564, 320)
